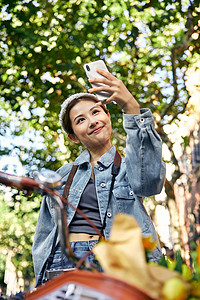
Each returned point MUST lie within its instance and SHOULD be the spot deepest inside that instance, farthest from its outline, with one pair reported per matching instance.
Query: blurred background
(153, 46)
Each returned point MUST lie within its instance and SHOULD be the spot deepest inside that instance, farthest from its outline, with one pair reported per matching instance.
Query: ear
(73, 138)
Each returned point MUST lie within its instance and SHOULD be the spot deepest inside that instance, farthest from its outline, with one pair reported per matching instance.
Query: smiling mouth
(96, 130)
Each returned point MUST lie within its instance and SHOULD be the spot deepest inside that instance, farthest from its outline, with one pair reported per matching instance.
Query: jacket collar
(106, 159)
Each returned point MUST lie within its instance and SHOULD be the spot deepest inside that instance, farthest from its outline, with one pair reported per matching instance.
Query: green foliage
(162, 261)
(195, 256)
(44, 46)
(189, 274)
(18, 220)
(179, 262)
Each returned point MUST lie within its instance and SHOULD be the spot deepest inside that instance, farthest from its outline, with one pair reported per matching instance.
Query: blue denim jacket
(142, 173)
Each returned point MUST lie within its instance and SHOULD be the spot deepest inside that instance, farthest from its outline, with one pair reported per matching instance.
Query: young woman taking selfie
(94, 190)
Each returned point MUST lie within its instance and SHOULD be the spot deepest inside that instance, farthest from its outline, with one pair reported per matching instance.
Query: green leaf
(179, 262)
(162, 262)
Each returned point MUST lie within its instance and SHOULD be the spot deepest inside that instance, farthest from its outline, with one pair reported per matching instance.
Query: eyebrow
(95, 106)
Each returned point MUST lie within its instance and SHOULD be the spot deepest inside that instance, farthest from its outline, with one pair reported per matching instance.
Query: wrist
(131, 107)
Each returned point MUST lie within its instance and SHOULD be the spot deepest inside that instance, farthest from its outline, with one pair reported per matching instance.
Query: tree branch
(179, 48)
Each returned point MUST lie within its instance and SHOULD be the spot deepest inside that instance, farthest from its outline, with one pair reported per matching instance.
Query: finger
(108, 100)
(100, 80)
(101, 88)
(100, 103)
(106, 74)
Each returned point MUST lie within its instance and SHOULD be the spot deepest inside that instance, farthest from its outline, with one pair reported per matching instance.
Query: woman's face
(91, 125)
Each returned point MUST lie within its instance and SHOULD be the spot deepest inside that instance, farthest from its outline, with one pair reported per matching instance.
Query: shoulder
(84, 157)
(65, 169)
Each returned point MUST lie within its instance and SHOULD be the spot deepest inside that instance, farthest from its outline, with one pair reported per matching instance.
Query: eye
(80, 120)
(95, 111)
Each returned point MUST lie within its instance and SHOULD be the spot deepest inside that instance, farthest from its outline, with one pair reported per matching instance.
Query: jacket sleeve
(43, 238)
(144, 165)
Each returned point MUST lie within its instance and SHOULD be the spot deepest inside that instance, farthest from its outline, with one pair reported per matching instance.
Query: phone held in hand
(90, 70)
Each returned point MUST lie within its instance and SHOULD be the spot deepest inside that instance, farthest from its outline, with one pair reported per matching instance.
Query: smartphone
(90, 70)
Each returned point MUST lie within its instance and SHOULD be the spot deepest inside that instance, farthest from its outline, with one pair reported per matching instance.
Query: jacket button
(131, 193)
(93, 244)
(109, 215)
(102, 185)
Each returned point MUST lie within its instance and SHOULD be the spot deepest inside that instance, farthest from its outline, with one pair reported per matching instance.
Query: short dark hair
(67, 121)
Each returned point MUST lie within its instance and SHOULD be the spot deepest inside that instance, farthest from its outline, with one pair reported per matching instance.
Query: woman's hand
(118, 92)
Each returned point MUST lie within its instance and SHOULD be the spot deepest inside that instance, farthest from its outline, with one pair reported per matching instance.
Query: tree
(18, 219)
(44, 44)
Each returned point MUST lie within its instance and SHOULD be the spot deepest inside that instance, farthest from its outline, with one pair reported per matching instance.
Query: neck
(95, 154)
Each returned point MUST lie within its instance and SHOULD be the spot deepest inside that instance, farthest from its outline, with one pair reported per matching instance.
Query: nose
(93, 123)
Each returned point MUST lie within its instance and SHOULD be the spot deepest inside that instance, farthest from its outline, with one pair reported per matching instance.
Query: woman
(140, 173)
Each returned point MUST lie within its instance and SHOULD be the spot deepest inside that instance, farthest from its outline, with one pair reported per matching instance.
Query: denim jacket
(142, 173)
